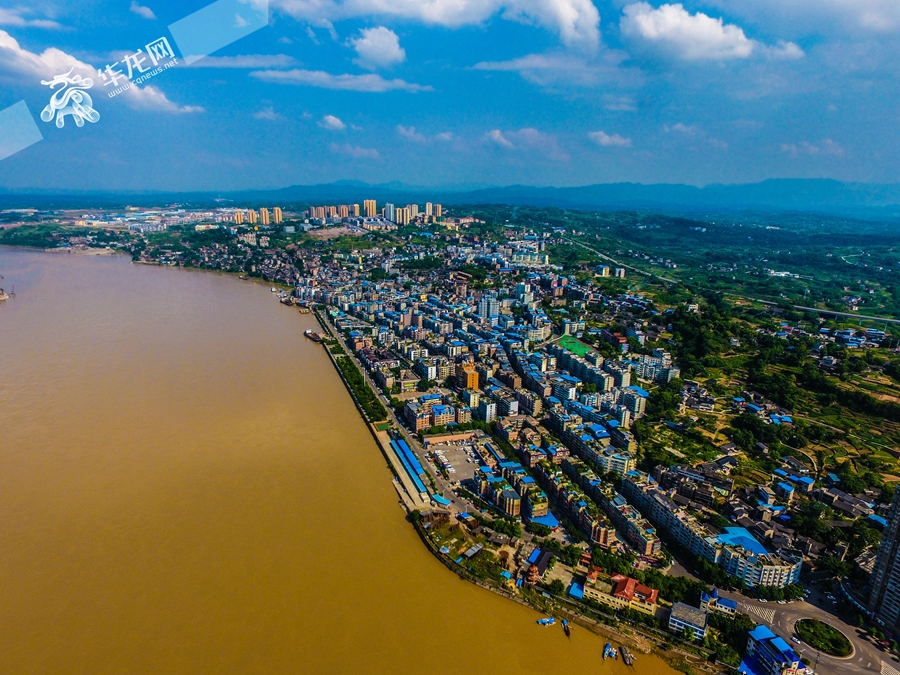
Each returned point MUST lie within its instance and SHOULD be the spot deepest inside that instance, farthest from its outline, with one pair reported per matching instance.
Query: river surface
(186, 487)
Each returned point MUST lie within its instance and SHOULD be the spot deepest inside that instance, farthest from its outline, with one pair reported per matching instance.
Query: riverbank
(636, 639)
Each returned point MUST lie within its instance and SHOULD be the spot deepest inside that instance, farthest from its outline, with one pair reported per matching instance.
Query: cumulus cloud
(14, 59)
(346, 82)
(355, 151)
(609, 140)
(140, 10)
(676, 32)
(681, 128)
(332, 123)
(824, 147)
(378, 48)
(496, 137)
(245, 61)
(18, 17)
(577, 22)
(268, 113)
(526, 139)
(149, 97)
(19, 62)
(410, 133)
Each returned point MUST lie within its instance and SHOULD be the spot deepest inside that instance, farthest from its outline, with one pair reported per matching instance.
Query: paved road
(867, 658)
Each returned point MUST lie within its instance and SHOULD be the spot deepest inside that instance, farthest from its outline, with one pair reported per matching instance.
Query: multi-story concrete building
(736, 550)
(884, 602)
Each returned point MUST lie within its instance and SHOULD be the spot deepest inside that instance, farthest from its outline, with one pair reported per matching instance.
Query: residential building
(884, 603)
(688, 620)
(768, 654)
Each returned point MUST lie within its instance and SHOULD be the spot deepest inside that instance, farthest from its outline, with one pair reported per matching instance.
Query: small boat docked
(607, 651)
(312, 335)
(565, 625)
(549, 621)
(627, 657)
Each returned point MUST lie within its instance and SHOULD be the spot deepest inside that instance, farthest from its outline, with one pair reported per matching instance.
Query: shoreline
(638, 642)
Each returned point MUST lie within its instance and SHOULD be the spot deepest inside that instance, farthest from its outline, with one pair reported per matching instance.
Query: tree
(557, 587)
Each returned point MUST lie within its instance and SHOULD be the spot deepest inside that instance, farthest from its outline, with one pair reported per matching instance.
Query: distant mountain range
(817, 195)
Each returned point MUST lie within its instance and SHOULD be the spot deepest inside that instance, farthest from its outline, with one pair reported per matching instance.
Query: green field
(574, 345)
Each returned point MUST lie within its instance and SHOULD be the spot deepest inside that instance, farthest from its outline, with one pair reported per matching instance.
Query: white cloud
(680, 128)
(240, 22)
(246, 61)
(140, 10)
(577, 22)
(496, 137)
(267, 113)
(14, 60)
(609, 140)
(560, 67)
(410, 133)
(355, 151)
(825, 147)
(810, 16)
(332, 123)
(527, 139)
(17, 17)
(149, 97)
(619, 103)
(319, 78)
(46, 65)
(378, 48)
(694, 37)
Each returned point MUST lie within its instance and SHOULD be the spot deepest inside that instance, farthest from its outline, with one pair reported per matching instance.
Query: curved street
(867, 657)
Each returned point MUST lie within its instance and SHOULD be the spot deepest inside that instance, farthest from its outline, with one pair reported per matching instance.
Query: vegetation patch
(823, 637)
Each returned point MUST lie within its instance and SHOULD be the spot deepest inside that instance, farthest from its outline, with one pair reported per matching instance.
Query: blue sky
(474, 92)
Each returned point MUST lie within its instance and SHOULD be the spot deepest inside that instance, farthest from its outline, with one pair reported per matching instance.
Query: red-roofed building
(625, 593)
(633, 591)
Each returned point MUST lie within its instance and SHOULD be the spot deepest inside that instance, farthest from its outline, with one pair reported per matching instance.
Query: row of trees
(367, 398)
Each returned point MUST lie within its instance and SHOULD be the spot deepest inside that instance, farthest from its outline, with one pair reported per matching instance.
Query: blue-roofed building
(878, 520)
(785, 491)
(768, 654)
(712, 602)
(741, 537)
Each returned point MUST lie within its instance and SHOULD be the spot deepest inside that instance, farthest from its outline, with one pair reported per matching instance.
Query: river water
(186, 487)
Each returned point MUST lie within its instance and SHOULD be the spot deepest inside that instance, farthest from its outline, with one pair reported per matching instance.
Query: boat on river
(3, 295)
(565, 625)
(627, 657)
(607, 650)
(549, 621)
(312, 335)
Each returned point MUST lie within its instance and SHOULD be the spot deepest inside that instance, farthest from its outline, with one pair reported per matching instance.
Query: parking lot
(456, 456)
